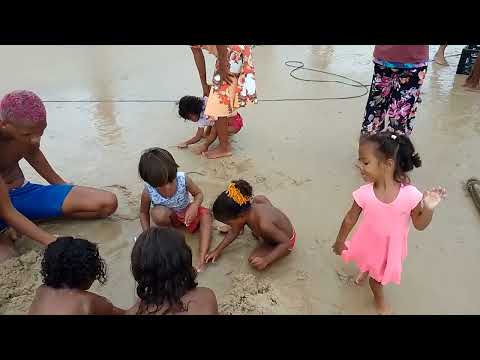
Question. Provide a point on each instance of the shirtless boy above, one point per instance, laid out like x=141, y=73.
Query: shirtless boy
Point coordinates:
x=23, y=120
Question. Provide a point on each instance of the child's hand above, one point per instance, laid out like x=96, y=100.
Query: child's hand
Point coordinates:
x=433, y=197
x=225, y=76
x=259, y=263
x=339, y=247
x=182, y=145
x=212, y=256
x=191, y=213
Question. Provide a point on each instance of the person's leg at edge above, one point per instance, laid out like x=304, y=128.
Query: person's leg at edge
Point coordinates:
x=439, y=57
x=473, y=80
x=205, y=239
x=224, y=148
x=89, y=203
x=377, y=102
x=203, y=146
x=379, y=298
x=408, y=94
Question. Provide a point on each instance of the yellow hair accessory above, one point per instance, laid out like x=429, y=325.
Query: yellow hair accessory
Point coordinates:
x=235, y=194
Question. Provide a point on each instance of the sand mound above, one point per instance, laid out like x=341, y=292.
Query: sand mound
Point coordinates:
x=19, y=279
x=250, y=296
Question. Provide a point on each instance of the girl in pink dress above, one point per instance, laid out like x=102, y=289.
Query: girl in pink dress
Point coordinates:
x=387, y=202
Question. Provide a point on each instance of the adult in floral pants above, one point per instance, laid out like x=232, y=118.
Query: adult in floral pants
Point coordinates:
x=399, y=72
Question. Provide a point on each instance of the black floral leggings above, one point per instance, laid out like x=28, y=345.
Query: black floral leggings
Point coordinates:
x=394, y=94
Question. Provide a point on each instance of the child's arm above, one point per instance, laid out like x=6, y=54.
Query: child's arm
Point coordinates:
x=145, y=210
x=202, y=71
x=198, y=136
x=227, y=240
x=19, y=222
x=423, y=212
x=197, y=194
x=270, y=231
x=347, y=225
x=41, y=165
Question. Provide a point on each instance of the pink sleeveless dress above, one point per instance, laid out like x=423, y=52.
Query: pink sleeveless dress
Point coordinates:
x=379, y=246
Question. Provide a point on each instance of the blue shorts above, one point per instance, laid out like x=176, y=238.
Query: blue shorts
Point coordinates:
x=39, y=202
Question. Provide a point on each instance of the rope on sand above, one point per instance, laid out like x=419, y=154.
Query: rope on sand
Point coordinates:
x=470, y=187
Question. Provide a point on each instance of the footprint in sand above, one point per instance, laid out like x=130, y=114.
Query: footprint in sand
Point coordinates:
x=128, y=203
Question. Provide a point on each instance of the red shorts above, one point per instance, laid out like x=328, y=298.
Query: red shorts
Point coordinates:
x=179, y=219
x=236, y=122
x=293, y=239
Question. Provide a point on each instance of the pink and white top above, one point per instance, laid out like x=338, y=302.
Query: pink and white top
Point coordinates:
x=379, y=246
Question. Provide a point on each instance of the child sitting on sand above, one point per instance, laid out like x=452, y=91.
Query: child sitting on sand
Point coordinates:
x=388, y=202
x=237, y=207
x=69, y=268
x=162, y=268
x=192, y=108
x=168, y=190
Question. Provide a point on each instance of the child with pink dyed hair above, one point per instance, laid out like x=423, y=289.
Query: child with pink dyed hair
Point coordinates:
x=23, y=120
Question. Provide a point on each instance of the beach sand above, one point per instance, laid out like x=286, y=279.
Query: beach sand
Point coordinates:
x=299, y=154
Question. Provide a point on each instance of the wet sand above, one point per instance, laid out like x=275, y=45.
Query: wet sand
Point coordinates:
x=300, y=154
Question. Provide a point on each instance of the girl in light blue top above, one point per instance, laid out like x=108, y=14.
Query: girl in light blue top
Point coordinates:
x=167, y=193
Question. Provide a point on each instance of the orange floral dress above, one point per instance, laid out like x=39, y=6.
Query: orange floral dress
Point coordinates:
x=224, y=100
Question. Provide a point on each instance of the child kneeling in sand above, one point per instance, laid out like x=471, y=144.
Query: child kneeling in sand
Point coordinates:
x=237, y=207
x=162, y=268
x=69, y=268
x=192, y=108
x=168, y=191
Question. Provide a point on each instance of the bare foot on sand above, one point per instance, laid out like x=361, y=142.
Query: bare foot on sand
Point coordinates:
x=7, y=249
x=361, y=277
x=382, y=307
x=218, y=152
x=440, y=59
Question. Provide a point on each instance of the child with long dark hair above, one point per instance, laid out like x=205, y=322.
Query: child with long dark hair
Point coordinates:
x=166, y=285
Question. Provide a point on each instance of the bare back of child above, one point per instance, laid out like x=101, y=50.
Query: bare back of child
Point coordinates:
x=266, y=220
x=201, y=301
x=237, y=208
x=69, y=268
x=50, y=301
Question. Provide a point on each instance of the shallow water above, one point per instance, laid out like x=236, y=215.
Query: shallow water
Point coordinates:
x=300, y=154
